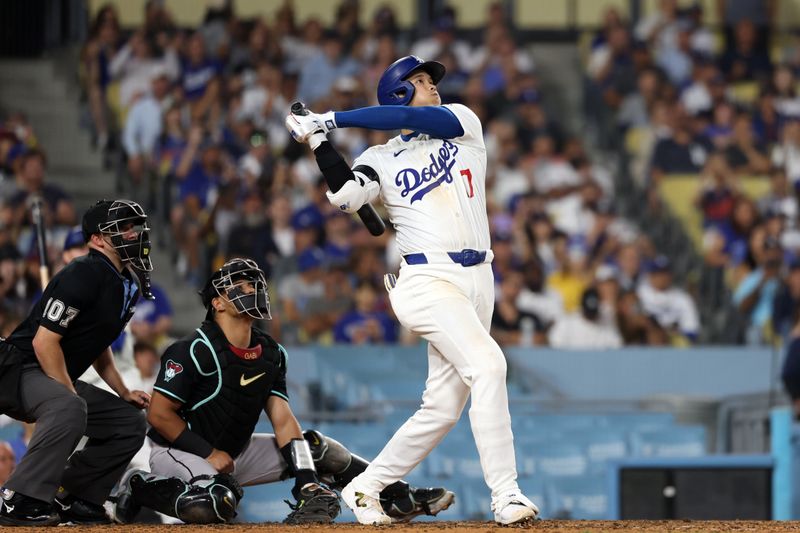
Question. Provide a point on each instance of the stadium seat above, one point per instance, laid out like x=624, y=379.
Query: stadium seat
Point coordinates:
x=675, y=441
x=584, y=498
x=264, y=503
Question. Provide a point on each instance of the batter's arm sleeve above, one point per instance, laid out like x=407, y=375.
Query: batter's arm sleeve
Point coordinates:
x=436, y=121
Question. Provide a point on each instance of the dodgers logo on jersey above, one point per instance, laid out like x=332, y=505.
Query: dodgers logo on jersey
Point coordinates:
x=173, y=369
x=439, y=171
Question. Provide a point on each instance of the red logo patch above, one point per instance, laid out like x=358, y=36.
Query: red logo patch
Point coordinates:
x=173, y=369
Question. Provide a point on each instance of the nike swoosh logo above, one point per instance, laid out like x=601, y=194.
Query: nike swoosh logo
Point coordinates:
x=245, y=382
x=10, y=508
x=400, y=152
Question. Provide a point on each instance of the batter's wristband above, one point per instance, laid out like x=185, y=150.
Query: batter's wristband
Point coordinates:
x=191, y=442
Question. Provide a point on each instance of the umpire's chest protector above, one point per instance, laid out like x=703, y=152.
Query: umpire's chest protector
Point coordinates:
x=232, y=389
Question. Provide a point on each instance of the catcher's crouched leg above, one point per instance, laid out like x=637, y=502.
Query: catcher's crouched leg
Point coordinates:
x=205, y=500
x=336, y=466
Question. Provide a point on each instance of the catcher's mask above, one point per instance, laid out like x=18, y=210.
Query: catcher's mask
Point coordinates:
x=229, y=282
x=116, y=219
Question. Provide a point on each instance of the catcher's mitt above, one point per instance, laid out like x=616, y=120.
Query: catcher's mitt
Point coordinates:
x=316, y=504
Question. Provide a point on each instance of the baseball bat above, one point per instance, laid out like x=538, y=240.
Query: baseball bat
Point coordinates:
x=369, y=217
x=38, y=221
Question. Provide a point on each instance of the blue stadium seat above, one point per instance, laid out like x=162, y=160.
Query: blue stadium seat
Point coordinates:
x=554, y=459
x=584, y=498
x=599, y=445
x=474, y=500
x=675, y=441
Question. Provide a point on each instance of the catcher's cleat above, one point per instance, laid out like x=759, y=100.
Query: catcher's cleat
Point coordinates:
x=420, y=501
x=367, y=509
x=316, y=505
x=514, y=508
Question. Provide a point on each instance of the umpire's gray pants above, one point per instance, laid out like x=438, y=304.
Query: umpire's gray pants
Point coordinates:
x=260, y=462
x=115, y=430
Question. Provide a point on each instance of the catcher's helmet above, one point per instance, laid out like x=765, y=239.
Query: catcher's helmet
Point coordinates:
x=393, y=87
x=113, y=219
x=227, y=283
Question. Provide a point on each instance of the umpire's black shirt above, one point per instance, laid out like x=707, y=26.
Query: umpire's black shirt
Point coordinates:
x=88, y=303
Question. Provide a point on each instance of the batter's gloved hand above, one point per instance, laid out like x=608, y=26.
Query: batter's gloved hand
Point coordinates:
x=308, y=127
x=315, y=505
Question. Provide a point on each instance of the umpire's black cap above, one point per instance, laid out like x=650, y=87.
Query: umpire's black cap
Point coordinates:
x=93, y=217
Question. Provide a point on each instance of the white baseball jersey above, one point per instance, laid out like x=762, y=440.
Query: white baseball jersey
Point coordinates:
x=433, y=189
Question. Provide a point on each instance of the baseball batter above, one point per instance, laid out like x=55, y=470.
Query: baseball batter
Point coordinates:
x=431, y=179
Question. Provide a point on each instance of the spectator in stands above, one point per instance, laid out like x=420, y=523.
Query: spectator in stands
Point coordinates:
x=511, y=326
x=745, y=61
x=198, y=179
x=200, y=82
x=536, y=297
x=104, y=41
x=368, y=322
x=760, y=14
x=703, y=93
x=146, y=360
x=296, y=290
x=611, y=67
x=324, y=312
x=605, y=281
x=137, y=63
x=781, y=197
x=670, y=306
x=143, y=128
x=7, y=461
x=152, y=320
x=570, y=278
x=264, y=104
x=318, y=75
x=74, y=245
x=784, y=92
x=682, y=152
x=717, y=195
x=767, y=124
x=726, y=244
x=746, y=155
x=787, y=153
x=251, y=235
x=635, y=326
x=636, y=107
x=675, y=58
x=59, y=209
x=629, y=262
x=444, y=38
x=584, y=329
x=755, y=294
x=787, y=303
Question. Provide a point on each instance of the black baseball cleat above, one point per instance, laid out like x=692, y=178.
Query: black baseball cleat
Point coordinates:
x=73, y=510
x=20, y=510
x=420, y=501
x=315, y=505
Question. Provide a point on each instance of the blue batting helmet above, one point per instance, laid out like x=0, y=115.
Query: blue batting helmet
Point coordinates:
x=393, y=87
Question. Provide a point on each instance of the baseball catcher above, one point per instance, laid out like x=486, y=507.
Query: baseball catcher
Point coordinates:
x=210, y=391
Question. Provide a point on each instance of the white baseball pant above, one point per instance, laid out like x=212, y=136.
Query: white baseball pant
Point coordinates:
x=451, y=307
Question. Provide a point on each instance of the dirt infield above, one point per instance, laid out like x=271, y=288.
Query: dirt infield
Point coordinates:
x=549, y=526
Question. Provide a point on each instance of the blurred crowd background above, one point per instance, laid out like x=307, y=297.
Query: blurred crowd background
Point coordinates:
x=668, y=217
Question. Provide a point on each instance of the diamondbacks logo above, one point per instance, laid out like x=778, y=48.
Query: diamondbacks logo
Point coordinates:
x=439, y=171
x=173, y=369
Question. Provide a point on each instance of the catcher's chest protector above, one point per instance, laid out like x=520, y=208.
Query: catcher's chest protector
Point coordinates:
x=232, y=391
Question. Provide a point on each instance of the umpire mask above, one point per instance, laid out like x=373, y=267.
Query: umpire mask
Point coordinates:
x=125, y=216
x=229, y=282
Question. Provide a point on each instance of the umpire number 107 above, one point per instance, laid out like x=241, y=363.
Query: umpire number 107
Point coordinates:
x=55, y=308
